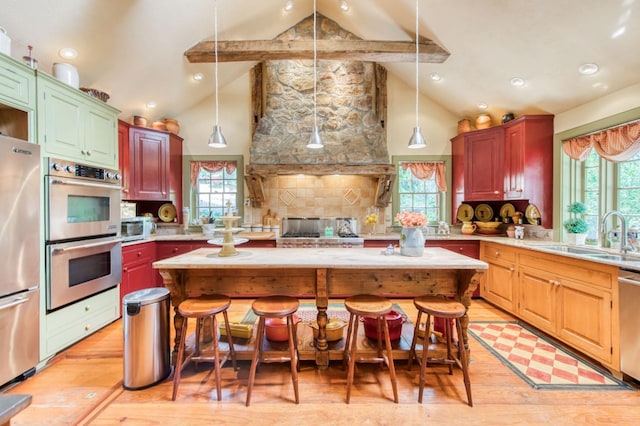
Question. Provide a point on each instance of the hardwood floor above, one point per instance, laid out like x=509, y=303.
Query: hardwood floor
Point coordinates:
x=83, y=385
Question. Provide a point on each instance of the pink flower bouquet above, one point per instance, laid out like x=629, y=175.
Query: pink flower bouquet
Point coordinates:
x=408, y=219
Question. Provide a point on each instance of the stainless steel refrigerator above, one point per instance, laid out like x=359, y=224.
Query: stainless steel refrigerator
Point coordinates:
x=20, y=183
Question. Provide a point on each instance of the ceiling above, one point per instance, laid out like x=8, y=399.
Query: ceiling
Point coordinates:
x=134, y=49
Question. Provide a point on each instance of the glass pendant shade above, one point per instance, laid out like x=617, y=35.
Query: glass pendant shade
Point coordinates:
x=315, y=141
x=217, y=140
x=417, y=140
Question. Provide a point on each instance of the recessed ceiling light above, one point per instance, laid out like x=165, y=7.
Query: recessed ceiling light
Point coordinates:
x=588, y=69
x=198, y=76
x=68, y=53
x=344, y=5
x=435, y=76
x=482, y=105
x=517, y=82
x=152, y=104
x=288, y=6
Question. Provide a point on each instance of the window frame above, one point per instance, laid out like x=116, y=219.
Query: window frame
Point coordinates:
x=445, y=197
x=569, y=174
x=189, y=195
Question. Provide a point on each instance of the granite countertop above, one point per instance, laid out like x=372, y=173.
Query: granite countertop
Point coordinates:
x=433, y=258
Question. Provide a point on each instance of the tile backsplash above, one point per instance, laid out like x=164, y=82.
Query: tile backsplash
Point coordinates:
x=318, y=196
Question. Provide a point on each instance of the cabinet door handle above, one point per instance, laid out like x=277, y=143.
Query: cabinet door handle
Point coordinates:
x=88, y=152
x=496, y=192
x=511, y=269
x=125, y=269
x=497, y=253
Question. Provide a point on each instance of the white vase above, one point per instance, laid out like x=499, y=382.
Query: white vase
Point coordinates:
x=411, y=241
x=67, y=74
x=577, y=239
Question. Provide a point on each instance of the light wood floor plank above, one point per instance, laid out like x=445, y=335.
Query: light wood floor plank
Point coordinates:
x=84, y=386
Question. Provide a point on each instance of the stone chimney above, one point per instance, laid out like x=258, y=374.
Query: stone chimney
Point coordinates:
x=351, y=107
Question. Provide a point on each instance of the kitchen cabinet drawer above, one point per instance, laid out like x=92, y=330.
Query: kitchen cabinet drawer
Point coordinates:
x=75, y=322
x=498, y=253
x=580, y=270
x=467, y=248
x=166, y=249
x=138, y=253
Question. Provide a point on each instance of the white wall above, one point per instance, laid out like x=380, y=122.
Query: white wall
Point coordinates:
x=606, y=106
x=438, y=125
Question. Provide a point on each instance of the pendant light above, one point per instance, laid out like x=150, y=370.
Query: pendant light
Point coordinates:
x=216, y=140
x=417, y=140
x=315, y=141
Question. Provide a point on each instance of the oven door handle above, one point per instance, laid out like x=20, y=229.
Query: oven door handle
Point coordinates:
x=56, y=251
x=17, y=301
x=59, y=181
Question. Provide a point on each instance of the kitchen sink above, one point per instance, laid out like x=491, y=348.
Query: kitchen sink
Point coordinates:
x=593, y=253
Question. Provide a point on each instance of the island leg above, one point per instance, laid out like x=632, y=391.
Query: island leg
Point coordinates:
x=468, y=281
x=322, y=303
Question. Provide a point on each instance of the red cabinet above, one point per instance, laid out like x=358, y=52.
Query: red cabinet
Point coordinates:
x=137, y=273
x=149, y=164
x=484, y=173
x=175, y=173
x=509, y=162
x=124, y=157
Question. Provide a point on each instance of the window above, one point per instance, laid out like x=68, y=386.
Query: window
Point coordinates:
x=215, y=190
x=421, y=195
x=213, y=183
x=628, y=190
x=598, y=174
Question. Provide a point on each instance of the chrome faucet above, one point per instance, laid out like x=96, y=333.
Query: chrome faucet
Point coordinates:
x=624, y=241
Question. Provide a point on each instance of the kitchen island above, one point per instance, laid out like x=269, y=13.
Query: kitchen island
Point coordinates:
x=323, y=273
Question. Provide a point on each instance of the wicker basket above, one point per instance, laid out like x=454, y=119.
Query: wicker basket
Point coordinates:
x=95, y=93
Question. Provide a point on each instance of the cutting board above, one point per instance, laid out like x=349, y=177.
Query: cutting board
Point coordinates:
x=257, y=235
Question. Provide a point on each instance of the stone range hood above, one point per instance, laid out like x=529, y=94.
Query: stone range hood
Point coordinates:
x=351, y=114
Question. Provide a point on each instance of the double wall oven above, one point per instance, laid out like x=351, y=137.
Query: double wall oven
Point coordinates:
x=82, y=227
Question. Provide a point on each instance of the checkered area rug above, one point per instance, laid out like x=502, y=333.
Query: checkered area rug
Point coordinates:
x=539, y=362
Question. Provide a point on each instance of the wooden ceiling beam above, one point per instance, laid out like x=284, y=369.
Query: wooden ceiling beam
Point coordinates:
x=344, y=50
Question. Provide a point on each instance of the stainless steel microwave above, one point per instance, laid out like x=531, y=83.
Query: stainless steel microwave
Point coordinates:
x=135, y=228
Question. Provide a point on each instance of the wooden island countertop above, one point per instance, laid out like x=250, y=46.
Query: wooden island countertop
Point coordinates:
x=322, y=273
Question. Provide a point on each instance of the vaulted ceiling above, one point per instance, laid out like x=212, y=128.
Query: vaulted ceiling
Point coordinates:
x=134, y=49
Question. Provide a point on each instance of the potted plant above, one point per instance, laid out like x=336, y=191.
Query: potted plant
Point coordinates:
x=576, y=226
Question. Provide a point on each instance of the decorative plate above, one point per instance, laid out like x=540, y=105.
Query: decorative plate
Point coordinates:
x=465, y=213
x=532, y=214
x=220, y=241
x=507, y=210
x=484, y=212
x=167, y=212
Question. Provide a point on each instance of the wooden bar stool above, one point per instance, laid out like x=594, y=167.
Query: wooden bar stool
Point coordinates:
x=274, y=307
x=200, y=308
x=440, y=307
x=370, y=306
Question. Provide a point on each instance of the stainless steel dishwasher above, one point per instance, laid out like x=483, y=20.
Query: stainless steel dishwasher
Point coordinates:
x=630, y=322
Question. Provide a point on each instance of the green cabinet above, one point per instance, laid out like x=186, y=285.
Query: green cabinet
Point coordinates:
x=17, y=99
x=74, y=126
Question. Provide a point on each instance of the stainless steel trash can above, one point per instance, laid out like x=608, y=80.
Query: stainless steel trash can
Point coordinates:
x=146, y=337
